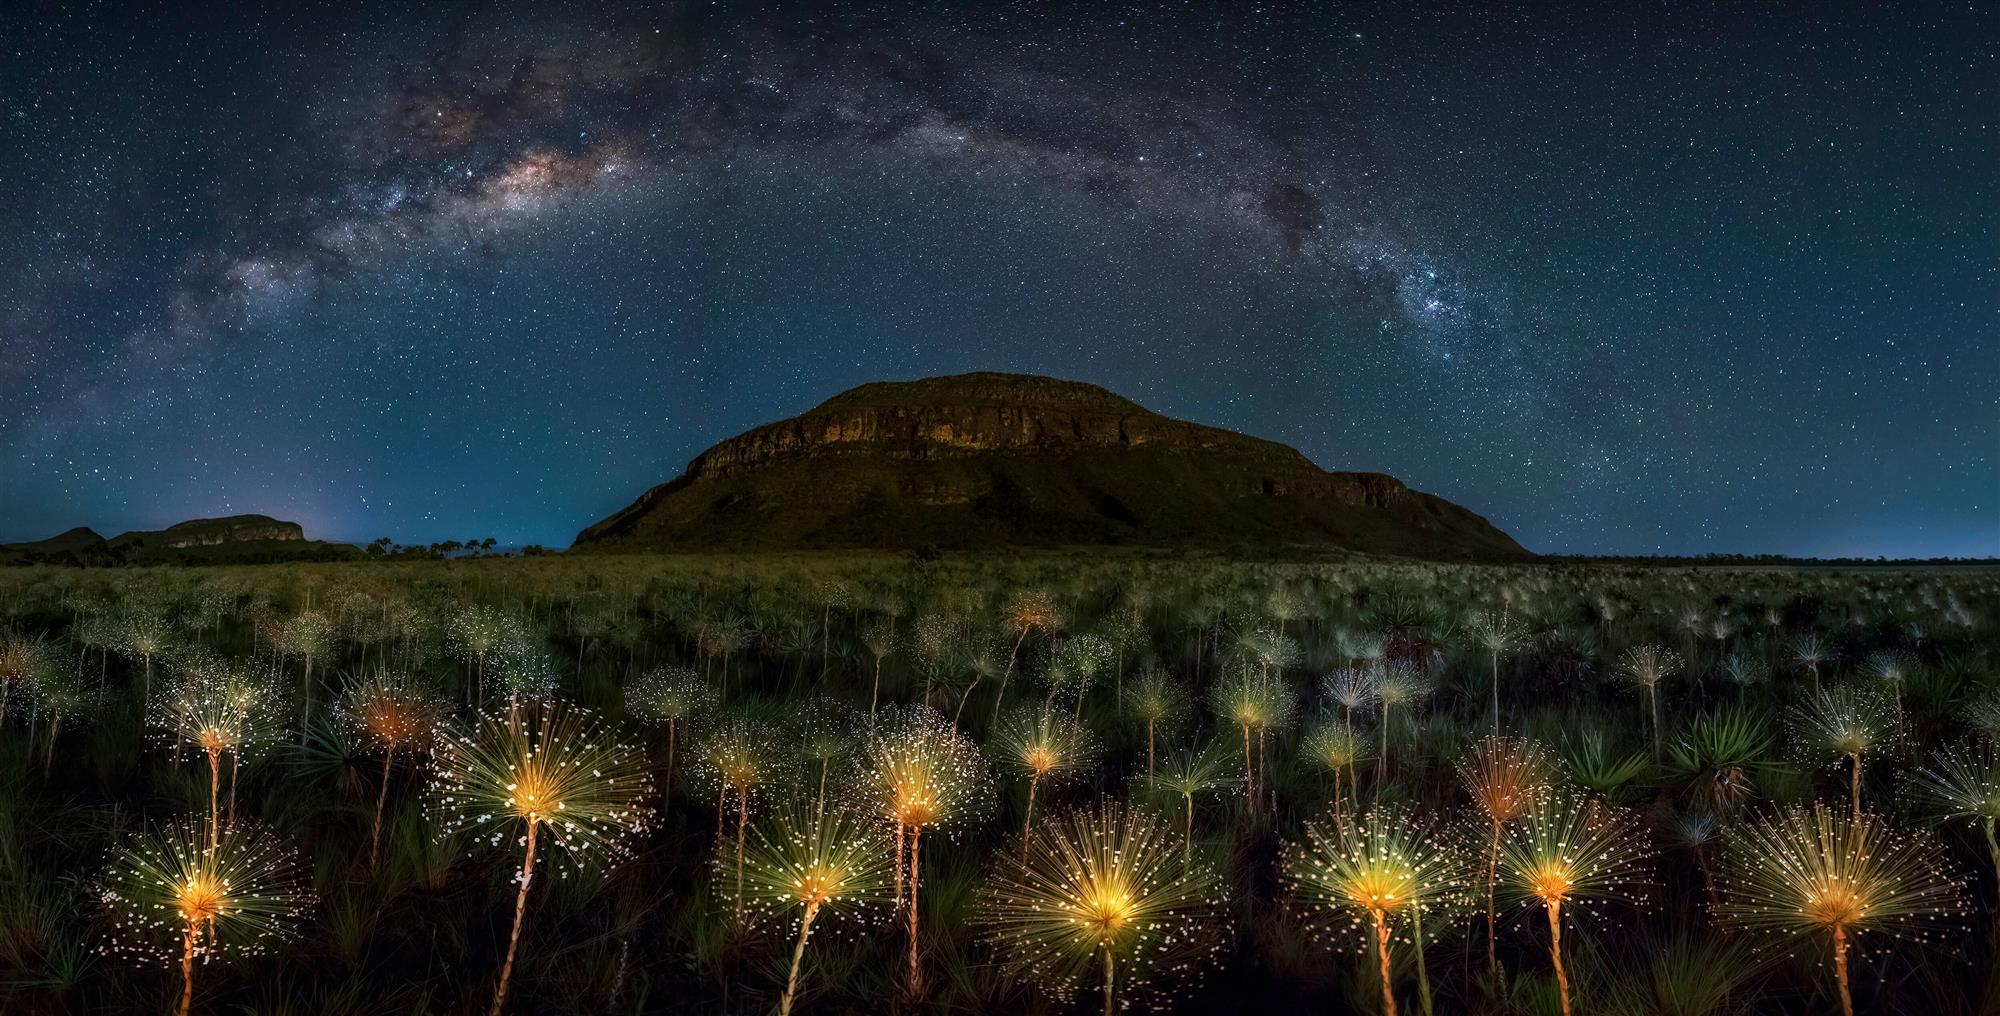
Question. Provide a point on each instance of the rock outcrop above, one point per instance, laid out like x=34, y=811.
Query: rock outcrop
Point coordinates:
x=242, y=539
x=978, y=460
x=214, y=532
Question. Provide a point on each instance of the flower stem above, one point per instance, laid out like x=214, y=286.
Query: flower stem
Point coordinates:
x=1382, y=955
x=520, y=908
x=1109, y=980
x=1840, y=969
x=187, y=970
x=916, y=975
x=798, y=953
x=381, y=798
x=1554, y=908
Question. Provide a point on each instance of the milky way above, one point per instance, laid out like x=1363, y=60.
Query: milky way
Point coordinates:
x=1694, y=282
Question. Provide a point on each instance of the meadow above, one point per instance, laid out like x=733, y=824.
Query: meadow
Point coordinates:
x=998, y=783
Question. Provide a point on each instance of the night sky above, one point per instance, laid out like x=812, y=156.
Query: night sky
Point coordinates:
x=1632, y=279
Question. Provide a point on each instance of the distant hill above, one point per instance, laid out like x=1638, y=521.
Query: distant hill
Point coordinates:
x=989, y=460
x=214, y=532
x=237, y=539
x=80, y=539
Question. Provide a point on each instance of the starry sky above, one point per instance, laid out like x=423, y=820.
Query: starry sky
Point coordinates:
x=1629, y=278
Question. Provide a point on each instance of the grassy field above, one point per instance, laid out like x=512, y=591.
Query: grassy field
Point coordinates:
x=1024, y=783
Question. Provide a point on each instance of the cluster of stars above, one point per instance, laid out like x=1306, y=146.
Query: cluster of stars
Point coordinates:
x=333, y=268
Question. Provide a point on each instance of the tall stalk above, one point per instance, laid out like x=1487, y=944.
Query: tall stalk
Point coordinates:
x=1382, y=957
x=875, y=695
x=1854, y=787
x=1110, y=979
x=381, y=799
x=1492, y=881
x=1423, y=970
x=1554, y=908
x=1249, y=770
x=214, y=794
x=667, y=788
x=1840, y=969
x=520, y=909
x=1006, y=674
x=798, y=954
x=916, y=982
x=187, y=968
x=742, y=824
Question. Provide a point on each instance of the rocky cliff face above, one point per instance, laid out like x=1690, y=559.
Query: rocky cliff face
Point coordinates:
x=970, y=414
x=995, y=459
x=214, y=532
x=983, y=414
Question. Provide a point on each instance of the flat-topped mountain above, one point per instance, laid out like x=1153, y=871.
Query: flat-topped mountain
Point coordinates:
x=211, y=532
x=234, y=539
x=987, y=459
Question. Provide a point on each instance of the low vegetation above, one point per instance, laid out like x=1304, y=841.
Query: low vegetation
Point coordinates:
x=1028, y=783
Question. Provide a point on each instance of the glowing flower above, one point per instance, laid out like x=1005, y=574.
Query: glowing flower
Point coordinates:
x=1382, y=867
x=1843, y=724
x=918, y=772
x=1505, y=777
x=1045, y=747
x=1567, y=854
x=547, y=771
x=395, y=712
x=174, y=895
x=806, y=859
x=1801, y=873
x=1109, y=886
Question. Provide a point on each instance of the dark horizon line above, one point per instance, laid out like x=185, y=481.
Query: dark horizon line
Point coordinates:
x=1563, y=557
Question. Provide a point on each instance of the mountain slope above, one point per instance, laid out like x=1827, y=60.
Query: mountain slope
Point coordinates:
x=981, y=460
x=76, y=540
